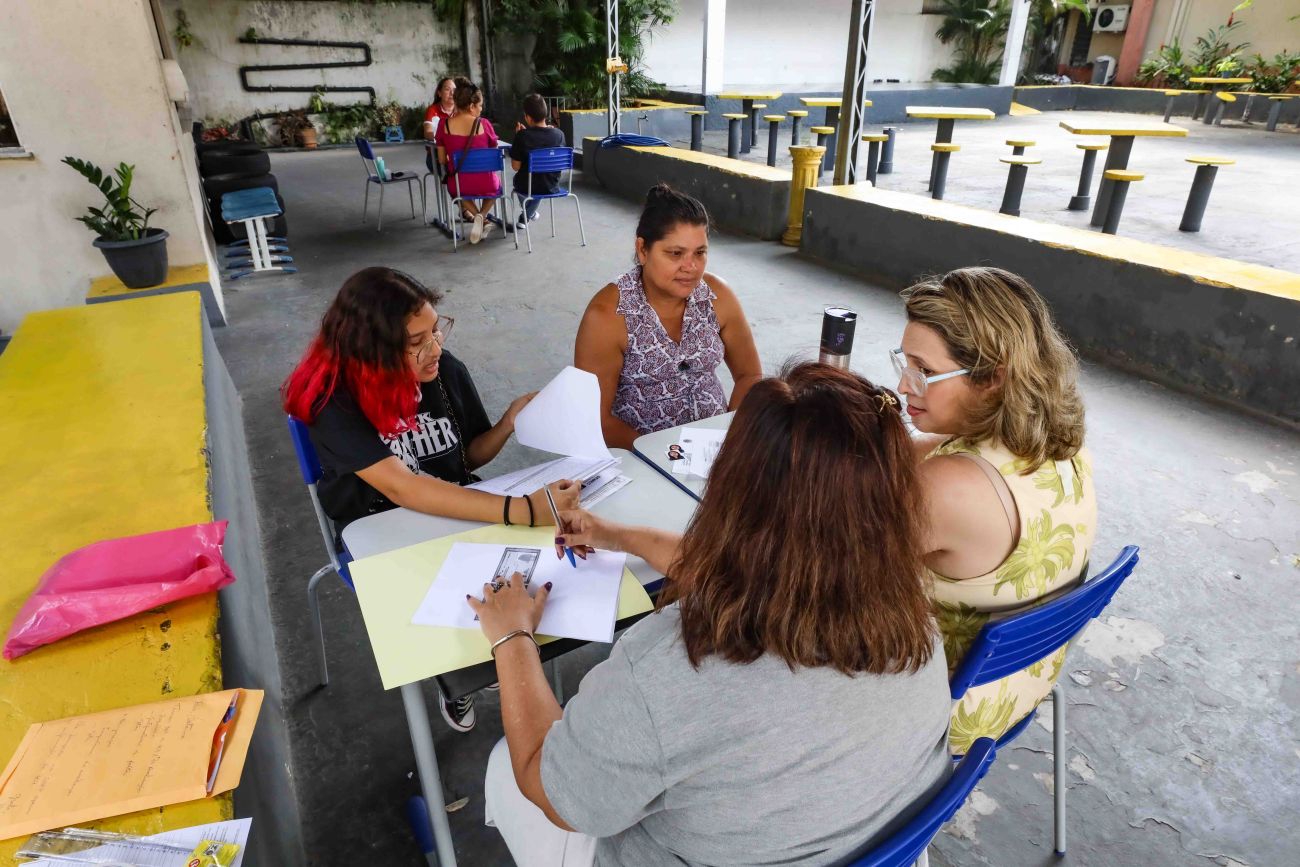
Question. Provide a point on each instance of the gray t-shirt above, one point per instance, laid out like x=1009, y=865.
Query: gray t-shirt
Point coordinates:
x=741, y=764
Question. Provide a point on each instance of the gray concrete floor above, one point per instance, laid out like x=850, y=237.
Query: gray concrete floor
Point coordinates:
x=1182, y=698
x=1251, y=214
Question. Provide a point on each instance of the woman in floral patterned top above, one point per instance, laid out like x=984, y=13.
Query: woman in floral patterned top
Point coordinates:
x=655, y=337
x=990, y=384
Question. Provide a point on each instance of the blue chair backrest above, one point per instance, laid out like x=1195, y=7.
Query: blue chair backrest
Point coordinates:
x=308, y=461
x=429, y=151
x=478, y=160
x=367, y=152
x=550, y=160
x=906, y=845
x=1007, y=646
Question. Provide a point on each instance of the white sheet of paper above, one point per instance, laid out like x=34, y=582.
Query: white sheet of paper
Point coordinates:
x=608, y=483
x=699, y=449
x=564, y=418
x=234, y=831
x=583, y=602
x=529, y=479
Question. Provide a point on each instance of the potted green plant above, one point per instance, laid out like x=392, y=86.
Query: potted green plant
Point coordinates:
x=136, y=253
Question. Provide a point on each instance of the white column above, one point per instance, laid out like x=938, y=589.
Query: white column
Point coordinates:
x=1015, y=45
x=715, y=28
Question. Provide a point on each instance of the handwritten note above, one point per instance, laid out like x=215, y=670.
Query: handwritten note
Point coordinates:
x=103, y=764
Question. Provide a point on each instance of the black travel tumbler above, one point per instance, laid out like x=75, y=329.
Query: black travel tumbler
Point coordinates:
x=838, y=324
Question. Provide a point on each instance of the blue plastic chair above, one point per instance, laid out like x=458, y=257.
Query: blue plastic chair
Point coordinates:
x=1006, y=646
x=372, y=177
x=908, y=845
x=309, y=464
x=551, y=160
x=479, y=161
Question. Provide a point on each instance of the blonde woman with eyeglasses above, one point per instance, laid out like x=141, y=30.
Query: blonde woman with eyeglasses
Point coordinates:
x=990, y=384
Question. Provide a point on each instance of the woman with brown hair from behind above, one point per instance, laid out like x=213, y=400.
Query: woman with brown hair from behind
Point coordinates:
x=991, y=385
x=787, y=702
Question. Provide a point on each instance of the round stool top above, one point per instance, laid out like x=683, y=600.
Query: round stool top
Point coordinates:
x=1282, y=96
x=1211, y=161
x=1092, y=146
x=1172, y=92
x=773, y=118
x=735, y=116
x=822, y=130
x=1021, y=142
x=1019, y=161
x=945, y=147
x=1225, y=96
x=875, y=137
x=697, y=111
x=797, y=113
x=1122, y=175
x=759, y=105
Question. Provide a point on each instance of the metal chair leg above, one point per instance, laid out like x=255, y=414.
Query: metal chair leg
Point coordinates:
x=314, y=605
x=1058, y=766
x=410, y=194
x=581, y=230
x=365, y=208
x=381, y=209
x=551, y=206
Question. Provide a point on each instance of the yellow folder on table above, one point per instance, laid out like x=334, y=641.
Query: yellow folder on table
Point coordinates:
x=82, y=768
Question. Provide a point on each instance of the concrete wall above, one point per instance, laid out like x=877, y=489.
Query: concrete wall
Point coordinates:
x=739, y=196
x=85, y=79
x=1142, y=100
x=1222, y=329
x=410, y=48
x=771, y=43
x=248, y=653
x=1267, y=25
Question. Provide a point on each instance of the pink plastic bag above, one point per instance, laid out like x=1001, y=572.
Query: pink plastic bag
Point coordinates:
x=116, y=578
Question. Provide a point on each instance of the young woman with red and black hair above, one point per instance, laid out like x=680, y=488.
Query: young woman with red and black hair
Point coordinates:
x=395, y=417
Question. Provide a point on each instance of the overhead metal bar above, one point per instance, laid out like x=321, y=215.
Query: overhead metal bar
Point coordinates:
x=852, y=111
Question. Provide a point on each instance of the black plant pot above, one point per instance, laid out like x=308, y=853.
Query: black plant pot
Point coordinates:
x=139, y=264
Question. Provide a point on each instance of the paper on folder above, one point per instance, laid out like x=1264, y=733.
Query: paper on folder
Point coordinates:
x=88, y=767
x=564, y=417
x=129, y=852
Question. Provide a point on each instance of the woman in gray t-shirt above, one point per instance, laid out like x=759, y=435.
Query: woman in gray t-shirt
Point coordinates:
x=788, y=701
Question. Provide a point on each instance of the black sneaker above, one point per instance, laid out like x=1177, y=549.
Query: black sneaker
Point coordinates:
x=519, y=223
x=459, y=713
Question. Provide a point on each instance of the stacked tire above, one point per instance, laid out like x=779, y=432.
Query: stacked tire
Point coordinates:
x=227, y=166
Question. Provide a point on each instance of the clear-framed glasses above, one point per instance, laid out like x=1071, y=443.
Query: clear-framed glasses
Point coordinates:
x=440, y=333
x=914, y=381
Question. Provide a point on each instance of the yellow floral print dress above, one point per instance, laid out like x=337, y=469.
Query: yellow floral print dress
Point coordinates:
x=1058, y=520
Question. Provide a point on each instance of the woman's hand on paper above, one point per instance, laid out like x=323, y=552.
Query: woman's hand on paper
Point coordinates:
x=512, y=411
x=510, y=608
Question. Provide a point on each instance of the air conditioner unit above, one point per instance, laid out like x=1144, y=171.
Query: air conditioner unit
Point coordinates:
x=1110, y=18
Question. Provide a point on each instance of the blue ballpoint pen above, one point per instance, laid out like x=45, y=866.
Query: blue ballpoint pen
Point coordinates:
x=550, y=501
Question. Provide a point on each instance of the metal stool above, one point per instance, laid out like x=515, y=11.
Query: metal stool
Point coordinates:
x=1015, y=183
x=1121, y=179
x=886, y=166
x=1275, y=111
x=1082, y=200
x=943, y=152
x=1170, y=96
x=822, y=133
x=753, y=122
x=733, y=133
x=1018, y=146
x=1206, y=170
x=697, y=116
x=773, y=121
x=873, y=154
x=1223, y=99
x=796, y=116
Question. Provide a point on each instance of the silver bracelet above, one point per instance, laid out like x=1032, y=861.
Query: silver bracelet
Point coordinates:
x=509, y=635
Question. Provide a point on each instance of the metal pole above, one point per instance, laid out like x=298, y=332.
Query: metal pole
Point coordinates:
x=1121, y=146
x=1118, y=193
x=614, y=106
x=1083, y=198
x=733, y=137
x=697, y=132
x=1015, y=189
x=426, y=765
x=873, y=161
x=886, y=166
x=773, y=126
x=1274, y=112
x=854, y=93
x=1198, y=198
x=940, y=174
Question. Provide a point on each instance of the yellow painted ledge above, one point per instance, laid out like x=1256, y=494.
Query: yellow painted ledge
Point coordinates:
x=1018, y=110
x=1210, y=270
x=740, y=168
x=647, y=104
x=102, y=434
x=183, y=275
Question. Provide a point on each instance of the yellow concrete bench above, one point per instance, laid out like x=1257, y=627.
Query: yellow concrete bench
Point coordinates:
x=694, y=111
x=945, y=148
x=875, y=137
x=796, y=112
x=1122, y=175
x=182, y=278
x=1020, y=161
x=102, y=434
x=1210, y=161
x=773, y=118
x=1021, y=142
x=734, y=115
x=822, y=130
x=1092, y=146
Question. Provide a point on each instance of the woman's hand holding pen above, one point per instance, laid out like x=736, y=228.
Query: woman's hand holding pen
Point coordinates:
x=584, y=532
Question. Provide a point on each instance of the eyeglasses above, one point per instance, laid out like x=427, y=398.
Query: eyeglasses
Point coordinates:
x=440, y=332
x=912, y=379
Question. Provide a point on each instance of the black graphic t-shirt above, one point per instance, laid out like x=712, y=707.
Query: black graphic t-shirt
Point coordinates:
x=347, y=442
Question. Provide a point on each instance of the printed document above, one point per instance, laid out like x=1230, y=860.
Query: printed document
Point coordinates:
x=564, y=417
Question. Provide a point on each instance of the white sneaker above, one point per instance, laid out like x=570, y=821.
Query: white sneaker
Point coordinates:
x=476, y=230
x=458, y=713
x=488, y=227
